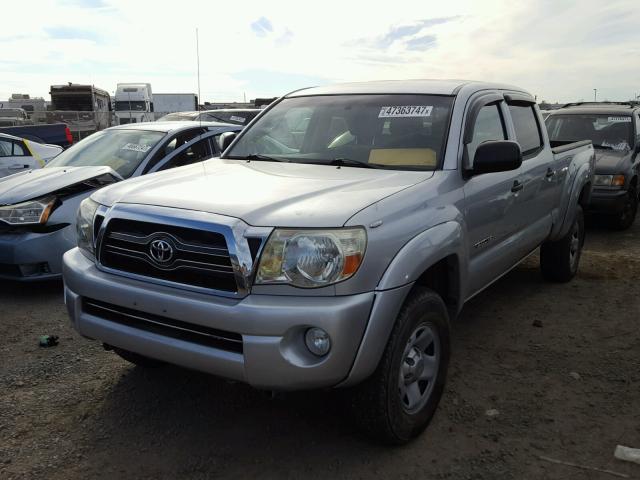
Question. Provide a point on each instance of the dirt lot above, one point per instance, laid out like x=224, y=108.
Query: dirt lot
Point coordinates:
x=569, y=389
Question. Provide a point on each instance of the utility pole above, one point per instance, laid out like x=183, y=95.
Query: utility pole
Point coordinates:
x=595, y=94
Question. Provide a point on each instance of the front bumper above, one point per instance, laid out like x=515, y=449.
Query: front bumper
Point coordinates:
x=273, y=354
x=607, y=201
x=29, y=256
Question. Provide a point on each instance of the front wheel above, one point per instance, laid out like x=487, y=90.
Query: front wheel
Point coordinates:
x=397, y=402
x=627, y=216
x=559, y=260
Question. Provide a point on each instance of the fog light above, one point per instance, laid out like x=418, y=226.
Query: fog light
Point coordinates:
x=318, y=341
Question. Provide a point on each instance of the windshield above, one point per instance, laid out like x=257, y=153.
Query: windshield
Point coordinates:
x=122, y=150
x=384, y=131
x=137, y=106
x=604, y=130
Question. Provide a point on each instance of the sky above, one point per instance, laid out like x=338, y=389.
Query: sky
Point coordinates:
x=559, y=50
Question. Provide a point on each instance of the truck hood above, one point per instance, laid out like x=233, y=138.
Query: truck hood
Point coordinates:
x=32, y=184
x=612, y=161
x=265, y=193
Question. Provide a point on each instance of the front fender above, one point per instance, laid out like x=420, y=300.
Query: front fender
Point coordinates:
x=423, y=251
x=420, y=253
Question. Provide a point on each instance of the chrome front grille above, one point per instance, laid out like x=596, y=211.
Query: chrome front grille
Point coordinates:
x=170, y=253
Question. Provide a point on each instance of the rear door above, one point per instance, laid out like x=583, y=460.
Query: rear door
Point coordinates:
x=490, y=212
x=539, y=193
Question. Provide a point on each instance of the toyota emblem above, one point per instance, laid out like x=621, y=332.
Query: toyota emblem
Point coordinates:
x=161, y=251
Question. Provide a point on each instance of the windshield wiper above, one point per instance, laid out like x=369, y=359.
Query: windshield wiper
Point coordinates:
x=259, y=156
x=603, y=147
x=350, y=162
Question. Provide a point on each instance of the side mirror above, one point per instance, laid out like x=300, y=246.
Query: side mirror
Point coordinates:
x=496, y=156
x=226, y=139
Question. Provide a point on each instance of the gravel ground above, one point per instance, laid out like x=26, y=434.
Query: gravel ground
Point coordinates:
x=567, y=389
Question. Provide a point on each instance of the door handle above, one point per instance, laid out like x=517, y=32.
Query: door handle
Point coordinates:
x=550, y=173
x=18, y=167
x=517, y=186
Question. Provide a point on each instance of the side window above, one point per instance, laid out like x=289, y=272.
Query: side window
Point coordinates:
x=489, y=126
x=195, y=153
x=5, y=148
x=525, y=124
x=18, y=150
x=173, y=144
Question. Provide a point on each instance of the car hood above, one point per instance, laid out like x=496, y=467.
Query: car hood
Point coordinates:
x=32, y=184
x=265, y=193
x=612, y=161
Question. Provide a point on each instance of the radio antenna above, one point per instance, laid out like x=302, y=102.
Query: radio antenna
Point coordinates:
x=198, y=61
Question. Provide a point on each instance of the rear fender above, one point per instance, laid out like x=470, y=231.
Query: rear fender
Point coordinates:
x=581, y=179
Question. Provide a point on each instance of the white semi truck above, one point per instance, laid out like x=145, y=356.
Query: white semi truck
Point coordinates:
x=134, y=103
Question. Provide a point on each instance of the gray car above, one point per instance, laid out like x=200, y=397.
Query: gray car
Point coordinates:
x=333, y=242
x=614, y=130
x=38, y=207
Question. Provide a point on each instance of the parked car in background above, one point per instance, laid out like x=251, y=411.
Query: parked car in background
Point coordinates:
x=18, y=154
x=333, y=242
x=614, y=130
x=10, y=117
x=233, y=116
x=53, y=134
x=38, y=207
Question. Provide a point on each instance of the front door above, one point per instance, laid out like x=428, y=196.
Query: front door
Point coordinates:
x=490, y=208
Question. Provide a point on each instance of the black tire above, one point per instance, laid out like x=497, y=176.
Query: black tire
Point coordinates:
x=625, y=219
x=137, y=359
x=559, y=260
x=376, y=404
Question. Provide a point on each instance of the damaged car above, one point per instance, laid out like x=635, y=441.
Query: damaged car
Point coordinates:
x=38, y=207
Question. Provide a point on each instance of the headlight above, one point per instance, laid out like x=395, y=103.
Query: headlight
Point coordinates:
x=84, y=226
x=29, y=213
x=608, y=180
x=311, y=258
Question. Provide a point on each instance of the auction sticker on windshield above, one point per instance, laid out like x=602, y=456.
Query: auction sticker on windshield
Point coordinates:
x=620, y=119
x=136, y=148
x=237, y=119
x=405, y=111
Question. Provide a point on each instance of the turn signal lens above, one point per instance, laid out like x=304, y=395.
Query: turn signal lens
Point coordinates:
x=618, y=181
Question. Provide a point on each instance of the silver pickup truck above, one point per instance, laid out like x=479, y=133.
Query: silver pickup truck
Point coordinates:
x=333, y=242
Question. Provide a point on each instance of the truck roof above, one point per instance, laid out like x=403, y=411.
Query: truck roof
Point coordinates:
x=77, y=87
x=433, y=87
x=173, y=126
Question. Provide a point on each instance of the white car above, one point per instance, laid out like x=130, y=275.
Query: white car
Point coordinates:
x=18, y=154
